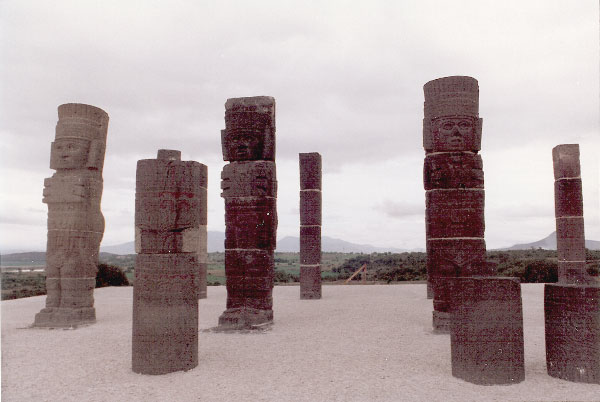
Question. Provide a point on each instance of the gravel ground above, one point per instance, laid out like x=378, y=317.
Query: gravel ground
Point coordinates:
x=358, y=343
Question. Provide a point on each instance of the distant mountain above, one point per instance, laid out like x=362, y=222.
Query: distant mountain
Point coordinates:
x=214, y=243
x=549, y=243
x=289, y=244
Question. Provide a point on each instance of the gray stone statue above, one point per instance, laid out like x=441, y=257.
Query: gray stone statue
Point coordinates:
x=75, y=222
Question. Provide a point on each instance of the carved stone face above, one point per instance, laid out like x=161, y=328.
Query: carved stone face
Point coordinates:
x=244, y=144
x=70, y=153
x=455, y=132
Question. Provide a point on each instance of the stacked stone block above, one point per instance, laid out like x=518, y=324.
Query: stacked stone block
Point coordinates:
x=487, y=330
x=482, y=313
x=75, y=221
x=453, y=181
x=170, y=223
x=571, y=306
x=249, y=187
x=310, y=225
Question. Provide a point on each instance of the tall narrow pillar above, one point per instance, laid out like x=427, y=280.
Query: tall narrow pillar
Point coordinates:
x=571, y=306
x=453, y=180
x=310, y=225
x=170, y=228
x=249, y=187
x=75, y=221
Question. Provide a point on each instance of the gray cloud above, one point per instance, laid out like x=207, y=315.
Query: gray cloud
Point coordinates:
x=347, y=79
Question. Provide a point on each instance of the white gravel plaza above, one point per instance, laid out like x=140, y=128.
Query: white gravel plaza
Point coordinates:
x=358, y=343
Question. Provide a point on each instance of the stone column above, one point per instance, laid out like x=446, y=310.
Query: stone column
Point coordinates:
x=571, y=306
x=75, y=221
x=310, y=225
x=486, y=337
x=170, y=225
x=249, y=187
x=568, y=207
x=453, y=179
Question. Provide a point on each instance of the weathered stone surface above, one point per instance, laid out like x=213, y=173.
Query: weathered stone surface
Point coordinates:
x=170, y=270
x=310, y=282
x=75, y=221
x=568, y=199
x=249, y=179
x=310, y=171
x=250, y=222
x=165, y=313
x=571, y=246
x=249, y=129
x=447, y=259
x=487, y=330
x=310, y=245
x=451, y=110
x=455, y=213
x=453, y=170
x=250, y=188
x=453, y=180
x=310, y=225
x=570, y=236
x=310, y=207
x=171, y=194
x=572, y=319
x=566, y=161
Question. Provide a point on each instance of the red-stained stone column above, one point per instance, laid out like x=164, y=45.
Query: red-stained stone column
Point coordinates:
x=482, y=313
x=170, y=223
x=486, y=337
x=571, y=306
x=453, y=180
x=310, y=225
x=75, y=221
x=249, y=187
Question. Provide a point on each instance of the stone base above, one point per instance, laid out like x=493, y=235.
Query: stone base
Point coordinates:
x=245, y=318
x=441, y=322
x=486, y=338
x=61, y=317
x=572, y=320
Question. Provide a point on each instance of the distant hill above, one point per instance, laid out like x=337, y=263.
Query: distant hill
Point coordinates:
x=289, y=244
x=549, y=243
x=214, y=243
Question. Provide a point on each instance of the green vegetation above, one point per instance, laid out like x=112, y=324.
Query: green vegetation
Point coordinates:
x=530, y=266
x=110, y=275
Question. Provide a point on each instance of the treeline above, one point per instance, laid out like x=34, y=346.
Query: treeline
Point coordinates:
x=16, y=285
x=530, y=266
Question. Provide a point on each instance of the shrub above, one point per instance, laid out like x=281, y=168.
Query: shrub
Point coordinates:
x=110, y=275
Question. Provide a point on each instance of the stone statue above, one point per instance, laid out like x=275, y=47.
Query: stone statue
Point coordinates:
x=482, y=312
x=170, y=225
x=453, y=180
x=571, y=306
x=249, y=187
x=310, y=225
x=75, y=221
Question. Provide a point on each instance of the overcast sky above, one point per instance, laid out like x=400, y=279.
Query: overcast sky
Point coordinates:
x=347, y=77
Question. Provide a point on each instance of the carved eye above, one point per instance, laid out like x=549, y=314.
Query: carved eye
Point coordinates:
x=464, y=124
x=448, y=125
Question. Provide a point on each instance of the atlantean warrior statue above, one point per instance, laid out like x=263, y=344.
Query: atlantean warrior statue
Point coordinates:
x=75, y=222
x=170, y=240
x=482, y=313
x=453, y=179
x=249, y=187
x=571, y=306
x=310, y=225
